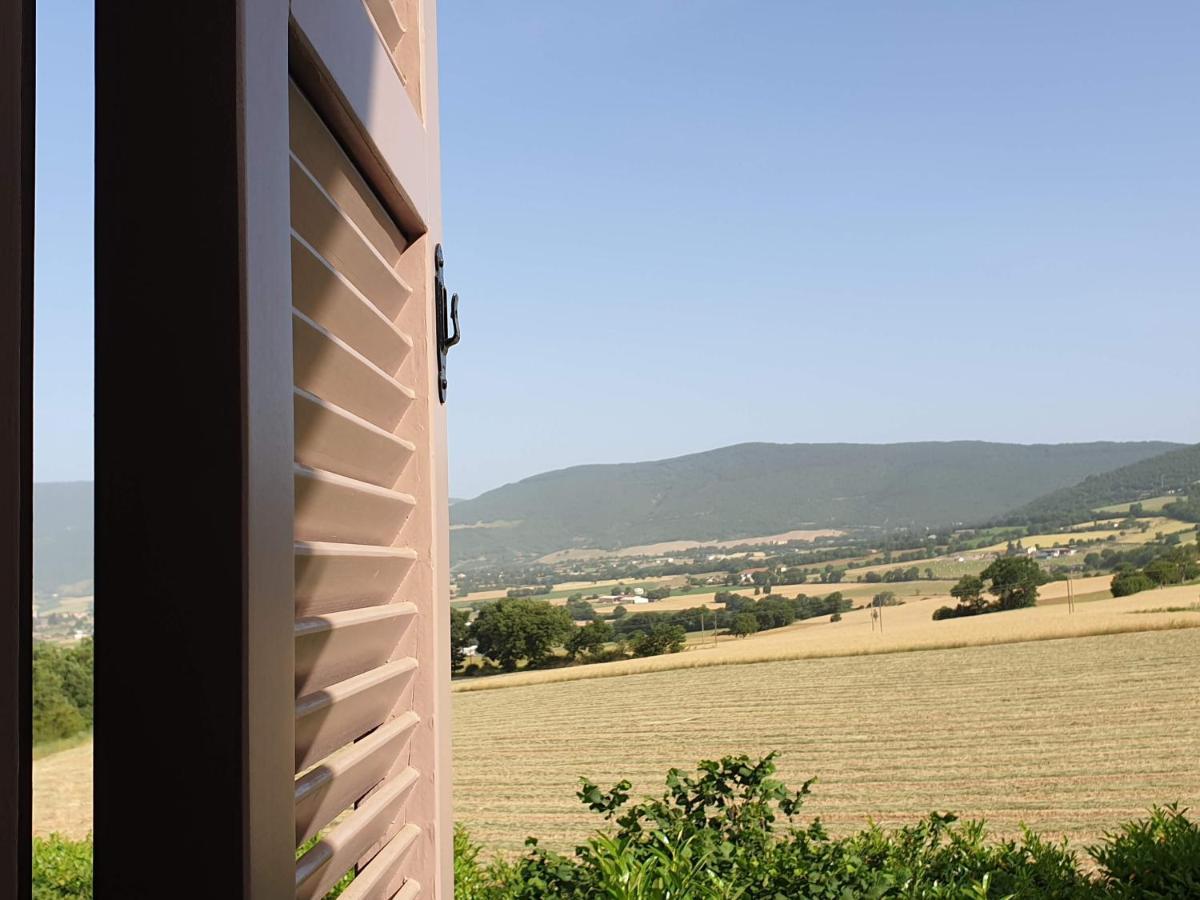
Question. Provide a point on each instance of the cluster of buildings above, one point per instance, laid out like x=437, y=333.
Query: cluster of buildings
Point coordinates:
x=61, y=626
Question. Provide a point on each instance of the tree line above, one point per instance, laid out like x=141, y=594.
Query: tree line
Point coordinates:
x=513, y=631
x=1176, y=565
x=62, y=690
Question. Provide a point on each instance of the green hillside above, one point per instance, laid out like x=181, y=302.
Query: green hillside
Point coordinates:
x=62, y=535
x=1175, y=470
x=757, y=489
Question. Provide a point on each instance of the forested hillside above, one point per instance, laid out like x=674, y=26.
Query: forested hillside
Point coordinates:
x=1174, y=471
x=758, y=489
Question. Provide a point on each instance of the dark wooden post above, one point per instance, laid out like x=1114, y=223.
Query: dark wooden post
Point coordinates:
x=16, y=440
x=194, y=710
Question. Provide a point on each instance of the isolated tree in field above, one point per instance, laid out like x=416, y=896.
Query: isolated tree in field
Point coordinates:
x=619, y=611
x=589, y=638
x=884, y=598
x=969, y=593
x=509, y=631
x=743, y=624
x=1014, y=582
x=460, y=635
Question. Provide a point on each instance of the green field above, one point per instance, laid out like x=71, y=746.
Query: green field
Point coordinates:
x=1152, y=505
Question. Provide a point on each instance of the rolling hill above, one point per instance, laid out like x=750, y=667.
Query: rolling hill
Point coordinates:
x=1175, y=470
x=757, y=489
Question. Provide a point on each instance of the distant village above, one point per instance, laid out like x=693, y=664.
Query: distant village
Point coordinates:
x=63, y=621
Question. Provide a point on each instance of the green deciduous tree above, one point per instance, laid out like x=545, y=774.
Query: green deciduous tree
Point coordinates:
x=1014, y=581
x=589, y=638
x=660, y=638
x=743, y=624
x=969, y=593
x=1130, y=581
x=62, y=690
x=1164, y=571
x=509, y=631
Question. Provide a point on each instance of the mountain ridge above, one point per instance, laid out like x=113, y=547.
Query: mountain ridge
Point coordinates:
x=758, y=488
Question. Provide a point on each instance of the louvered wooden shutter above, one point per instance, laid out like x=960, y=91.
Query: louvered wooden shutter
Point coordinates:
x=370, y=666
x=271, y=486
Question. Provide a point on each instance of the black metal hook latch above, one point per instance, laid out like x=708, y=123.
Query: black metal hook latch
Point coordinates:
x=445, y=340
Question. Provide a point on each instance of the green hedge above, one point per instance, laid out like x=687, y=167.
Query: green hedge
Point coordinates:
x=731, y=831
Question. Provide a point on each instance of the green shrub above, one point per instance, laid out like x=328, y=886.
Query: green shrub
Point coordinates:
x=731, y=831
x=62, y=868
x=1154, y=857
x=1131, y=582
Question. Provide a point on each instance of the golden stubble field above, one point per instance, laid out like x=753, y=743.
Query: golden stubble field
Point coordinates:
x=62, y=792
x=907, y=627
x=1070, y=736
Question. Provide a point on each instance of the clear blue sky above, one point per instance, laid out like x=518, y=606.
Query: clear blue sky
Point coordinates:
x=679, y=226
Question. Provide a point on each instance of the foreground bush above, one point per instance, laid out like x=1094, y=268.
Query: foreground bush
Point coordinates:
x=731, y=831
x=62, y=869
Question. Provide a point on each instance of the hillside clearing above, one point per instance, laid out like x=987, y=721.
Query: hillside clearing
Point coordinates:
x=1069, y=736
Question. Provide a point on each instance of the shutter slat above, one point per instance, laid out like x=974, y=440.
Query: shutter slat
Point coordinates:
x=321, y=867
x=329, y=438
x=343, y=712
x=341, y=780
x=334, y=371
x=330, y=300
x=375, y=880
x=320, y=154
x=410, y=890
x=361, y=344
x=391, y=29
x=317, y=219
x=336, y=508
x=332, y=577
x=341, y=645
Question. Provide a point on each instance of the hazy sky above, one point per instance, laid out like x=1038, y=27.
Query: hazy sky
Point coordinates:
x=677, y=226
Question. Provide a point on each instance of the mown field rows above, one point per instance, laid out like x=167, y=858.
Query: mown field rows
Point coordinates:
x=1070, y=736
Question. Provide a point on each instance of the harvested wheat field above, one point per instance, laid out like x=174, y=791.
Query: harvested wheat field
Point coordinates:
x=62, y=792
x=1070, y=736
